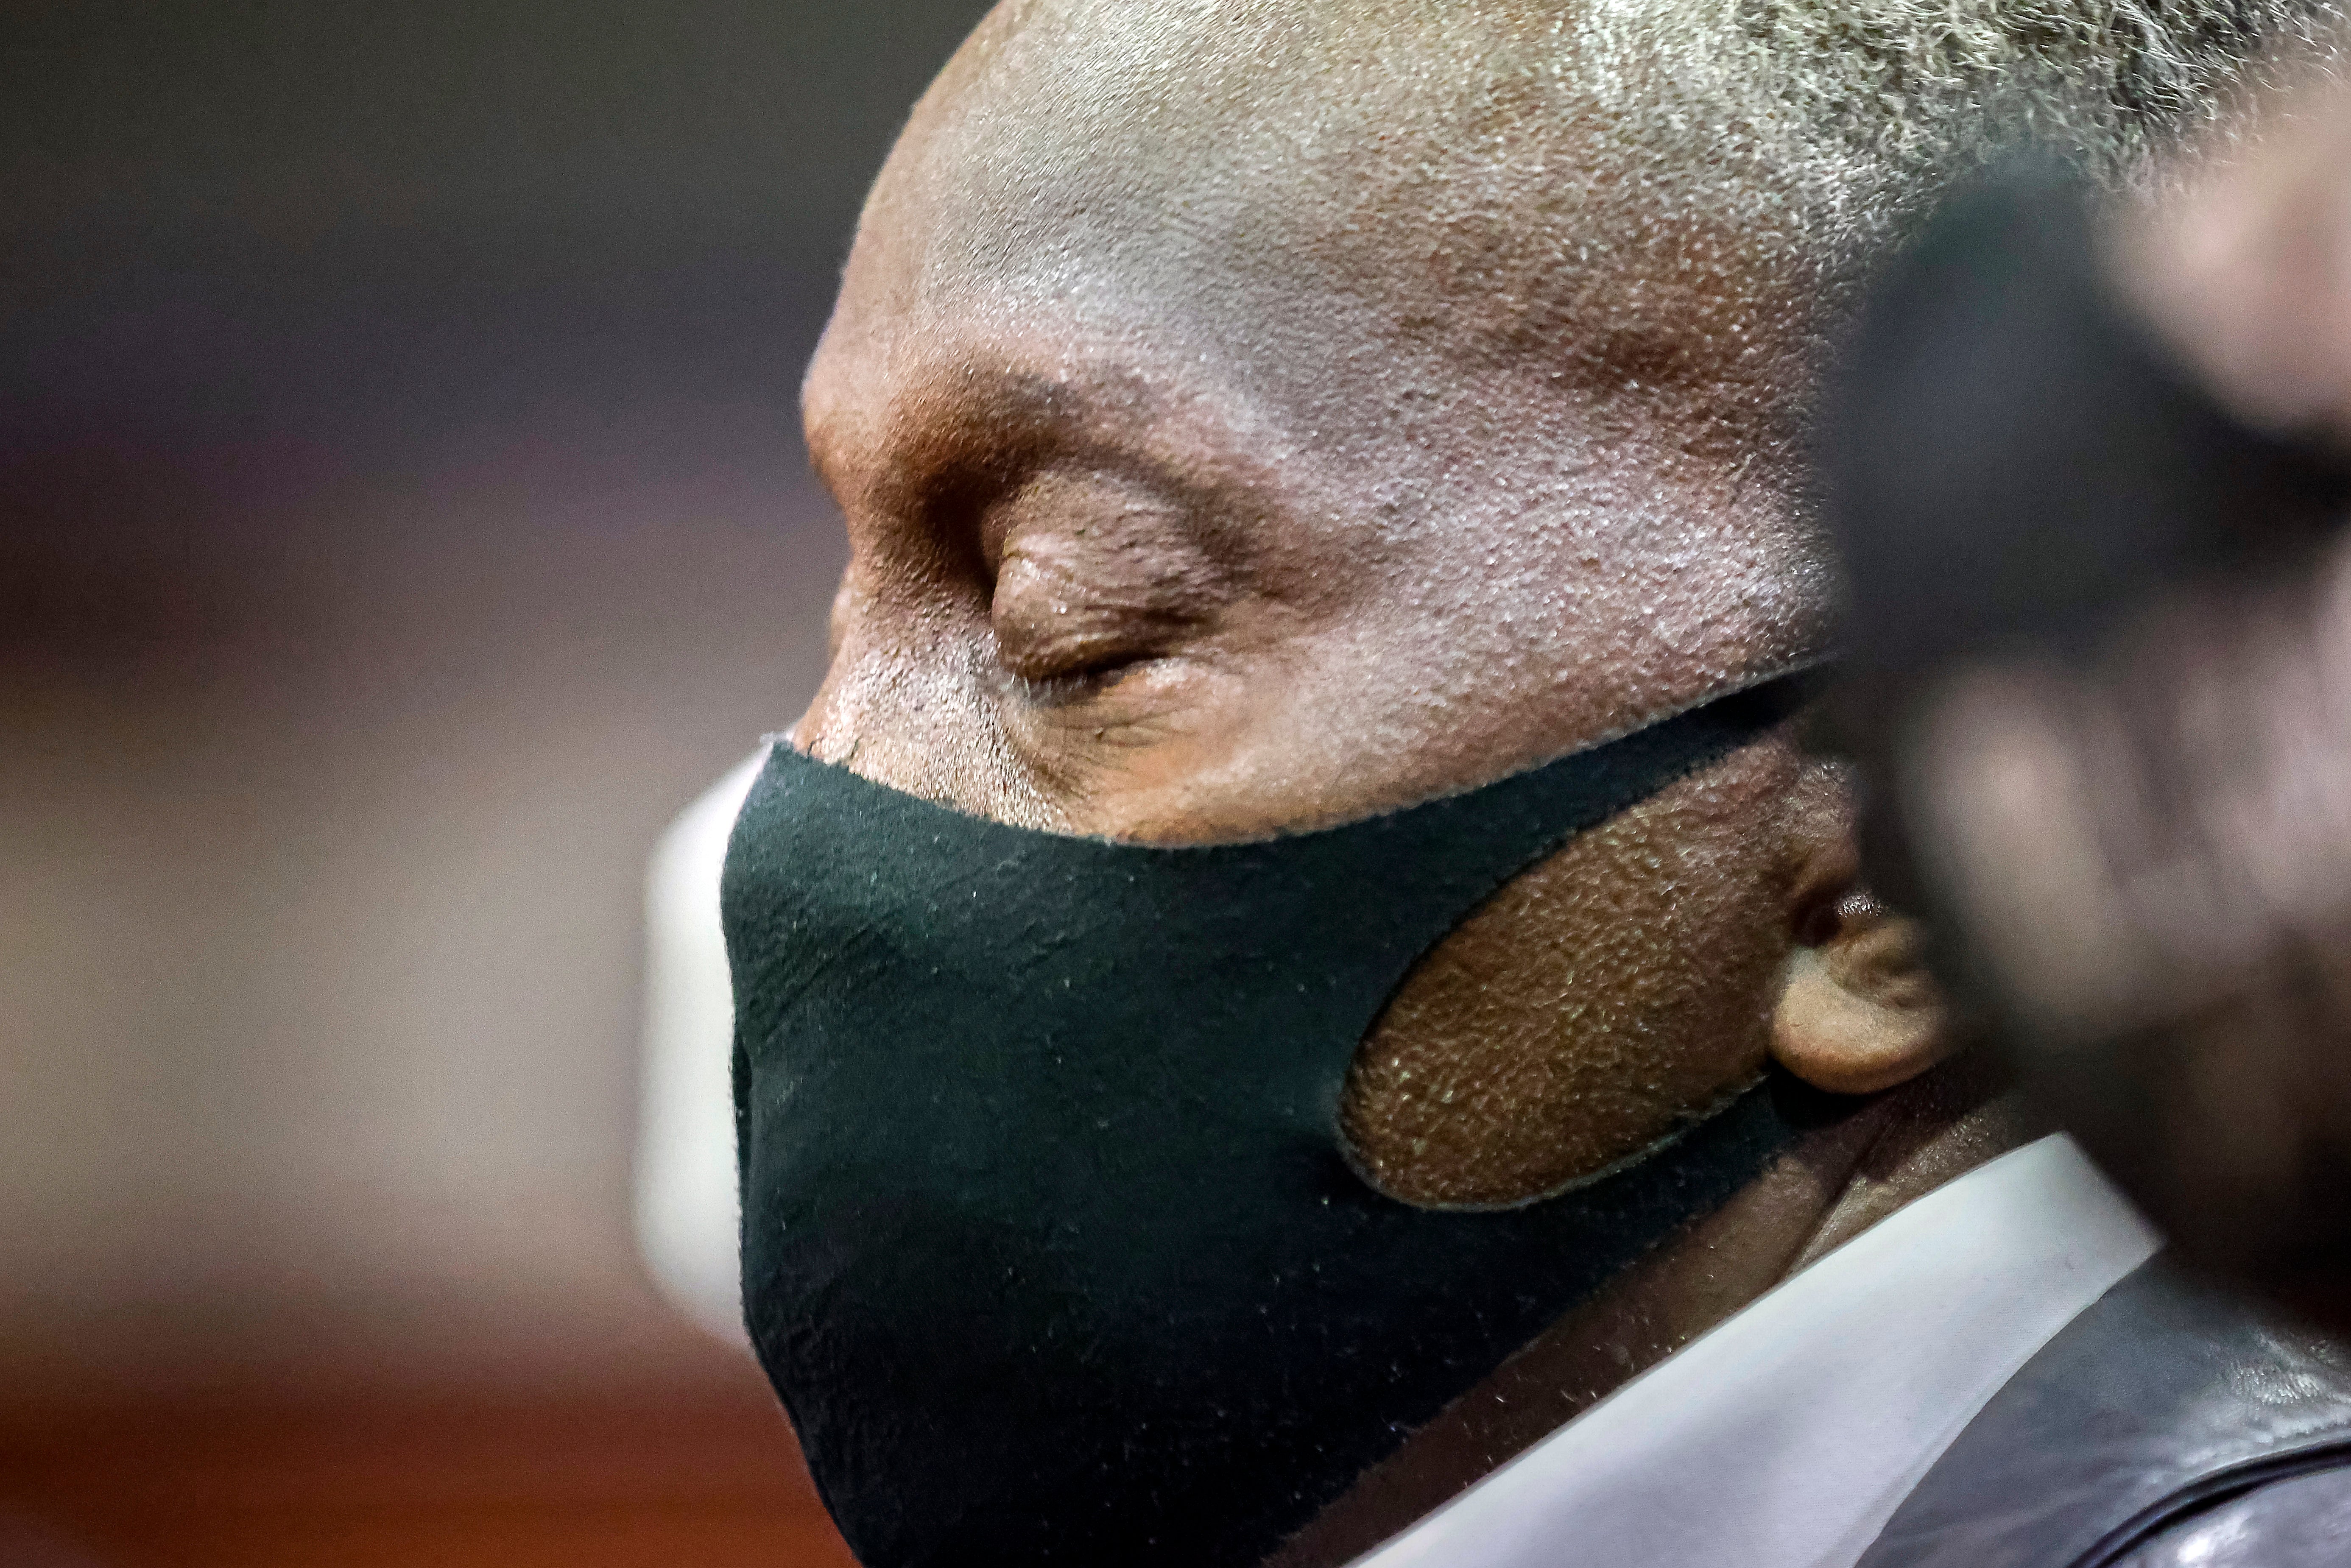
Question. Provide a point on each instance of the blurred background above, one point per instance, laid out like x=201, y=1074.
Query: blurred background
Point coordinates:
x=403, y=514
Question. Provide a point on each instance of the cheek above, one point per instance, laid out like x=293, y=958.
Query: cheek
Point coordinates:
x=1590, y=1008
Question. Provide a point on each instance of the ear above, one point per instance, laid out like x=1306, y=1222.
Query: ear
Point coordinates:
x=1857, y=1011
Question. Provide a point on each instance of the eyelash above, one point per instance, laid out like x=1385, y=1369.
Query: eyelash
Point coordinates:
x=1053, y=634
x=1075, y=685
x=1087, y=671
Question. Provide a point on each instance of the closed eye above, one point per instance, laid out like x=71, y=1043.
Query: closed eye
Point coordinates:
x=1092, y=578
x=1051, y=627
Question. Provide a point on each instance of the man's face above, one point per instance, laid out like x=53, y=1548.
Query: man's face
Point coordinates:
x=1245, y=422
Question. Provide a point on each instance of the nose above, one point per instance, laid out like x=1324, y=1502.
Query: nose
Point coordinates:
x=909, y=704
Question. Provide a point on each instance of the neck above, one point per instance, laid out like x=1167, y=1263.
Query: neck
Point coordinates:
x=1834, y=1184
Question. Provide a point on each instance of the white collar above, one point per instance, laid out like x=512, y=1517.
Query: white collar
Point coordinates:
x=1786, y=1436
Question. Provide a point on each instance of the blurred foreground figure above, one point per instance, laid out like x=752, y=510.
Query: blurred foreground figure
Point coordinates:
x=2092, y=473
x=1296, y=955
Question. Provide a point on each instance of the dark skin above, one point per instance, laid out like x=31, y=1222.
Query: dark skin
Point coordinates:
x=1228, y=442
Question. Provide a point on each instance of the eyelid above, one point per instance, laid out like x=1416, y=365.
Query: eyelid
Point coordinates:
x=1096, y=571
x=1050, y=622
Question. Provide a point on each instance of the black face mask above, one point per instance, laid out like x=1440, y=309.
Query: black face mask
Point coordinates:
x=1050, y=1242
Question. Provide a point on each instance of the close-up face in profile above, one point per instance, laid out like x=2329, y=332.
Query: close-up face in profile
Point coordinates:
x=1191, y=508
x=1250, y=426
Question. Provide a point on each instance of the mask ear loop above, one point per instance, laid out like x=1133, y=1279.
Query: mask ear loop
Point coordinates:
x=1623, y=767
x=1740, y=716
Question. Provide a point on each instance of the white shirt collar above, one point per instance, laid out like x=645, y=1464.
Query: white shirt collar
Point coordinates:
x=1786, y=1436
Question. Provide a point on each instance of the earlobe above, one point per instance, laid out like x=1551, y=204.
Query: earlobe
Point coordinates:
x=1857, y=1011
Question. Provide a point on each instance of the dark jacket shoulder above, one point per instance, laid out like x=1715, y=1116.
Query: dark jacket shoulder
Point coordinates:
x=2302, y=1521
x=2164, y=1407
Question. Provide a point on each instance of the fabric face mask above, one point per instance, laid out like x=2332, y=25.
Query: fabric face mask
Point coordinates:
x=1050, y=1243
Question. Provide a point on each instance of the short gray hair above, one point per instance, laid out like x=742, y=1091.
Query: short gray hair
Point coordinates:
x=1858, y=112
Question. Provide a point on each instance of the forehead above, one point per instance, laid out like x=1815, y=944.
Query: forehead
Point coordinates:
x=1067, y=136
x=1323, y=199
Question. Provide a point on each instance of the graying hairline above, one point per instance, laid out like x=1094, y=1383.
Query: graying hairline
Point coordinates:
x=1830, y=122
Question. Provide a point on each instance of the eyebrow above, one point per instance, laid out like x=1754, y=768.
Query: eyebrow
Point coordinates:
x=957, y=435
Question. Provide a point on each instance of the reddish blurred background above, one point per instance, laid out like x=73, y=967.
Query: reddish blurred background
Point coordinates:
x=401, y=515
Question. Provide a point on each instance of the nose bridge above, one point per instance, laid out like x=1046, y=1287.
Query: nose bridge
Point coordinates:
x=880, y=651
x=905, y=704
x=828, y=727
x=876, y=712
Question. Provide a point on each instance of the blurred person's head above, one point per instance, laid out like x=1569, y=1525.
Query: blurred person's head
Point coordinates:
x=1249, y=418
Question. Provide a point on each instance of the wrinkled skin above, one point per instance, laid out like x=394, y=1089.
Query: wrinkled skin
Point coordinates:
x=1247, y=419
